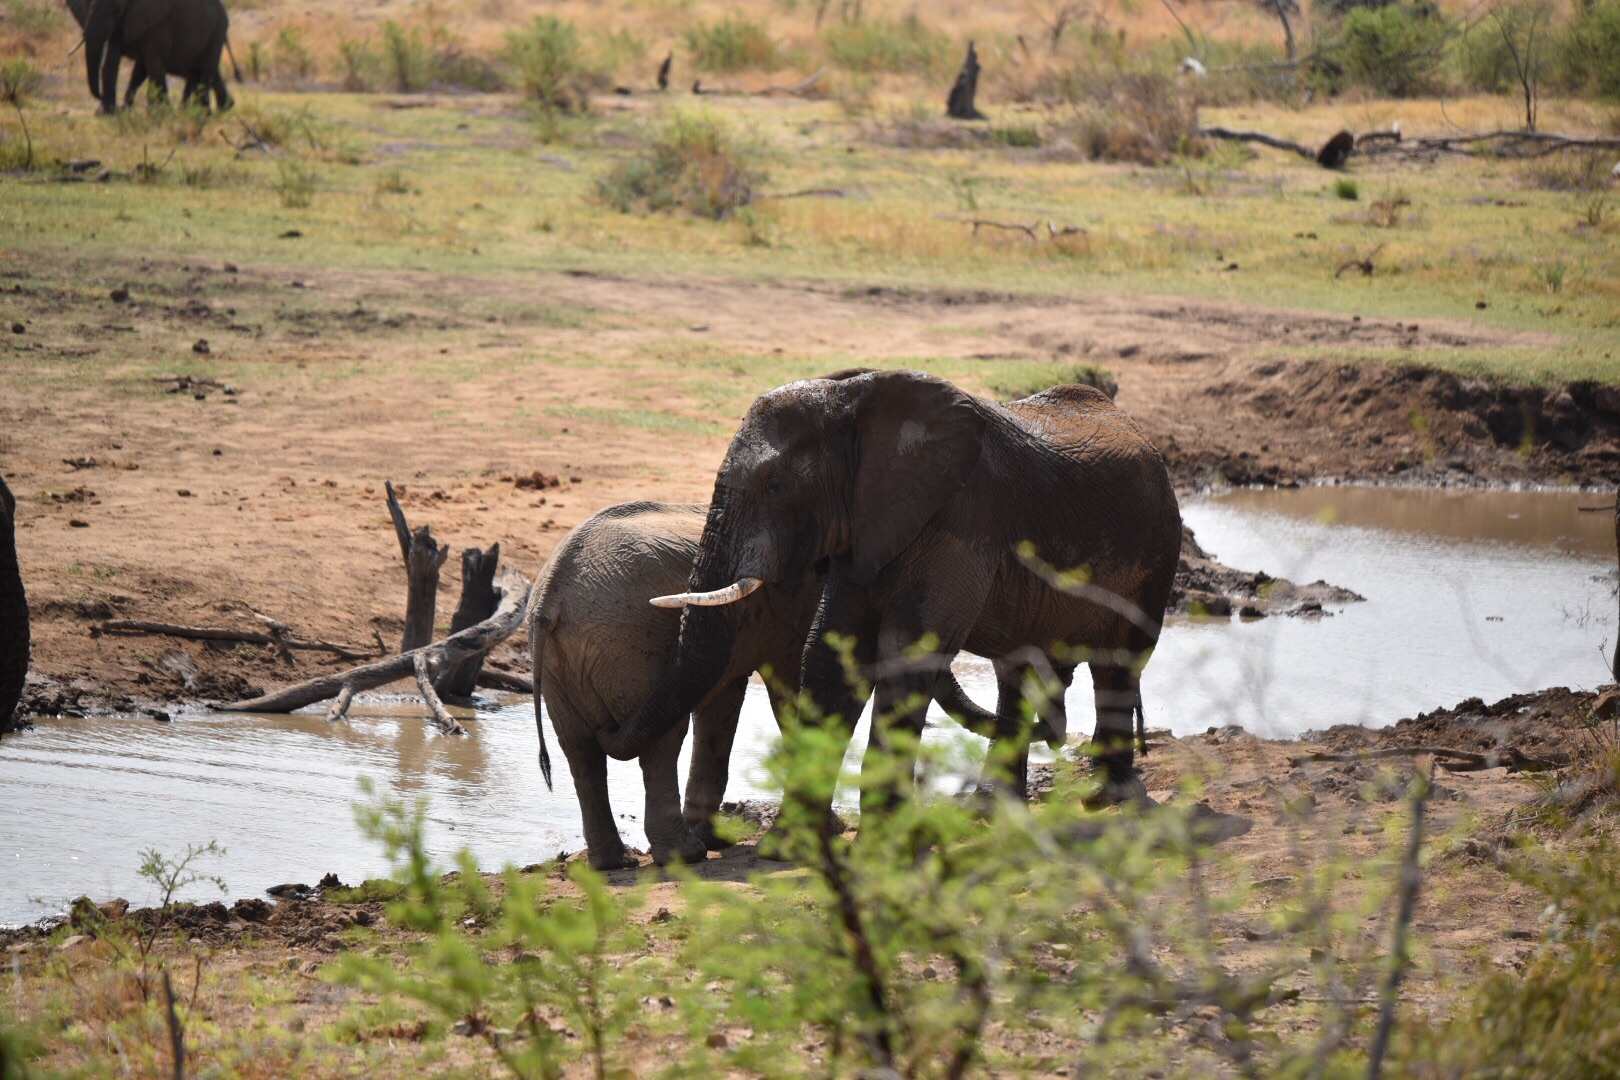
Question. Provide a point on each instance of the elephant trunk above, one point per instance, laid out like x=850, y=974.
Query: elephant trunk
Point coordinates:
x=702, y=660
x=92, y=66
x=14, y=638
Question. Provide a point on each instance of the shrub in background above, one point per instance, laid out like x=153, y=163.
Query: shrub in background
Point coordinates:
x=695, y=163
x=361, y=65
x=548, y=64
x=1591, y=48
x=905, y=46
x=732, y=44
x=407, y=63
x=1392, y=50
x=1148, y=119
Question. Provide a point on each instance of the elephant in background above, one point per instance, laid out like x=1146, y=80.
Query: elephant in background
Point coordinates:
x=14, y=644
x=599, y=649
x=934, y=511
x=181, y=37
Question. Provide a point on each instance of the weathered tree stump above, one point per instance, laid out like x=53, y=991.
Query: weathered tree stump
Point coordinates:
x=423, y=558
x=1336, y=151
x=960, y=106
x=14, y=637
x=663, y=71
x=478, y=600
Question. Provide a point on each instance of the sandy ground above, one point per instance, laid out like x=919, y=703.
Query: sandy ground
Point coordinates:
x=204, y=507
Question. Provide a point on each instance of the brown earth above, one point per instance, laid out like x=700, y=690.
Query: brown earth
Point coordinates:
x=154, y=499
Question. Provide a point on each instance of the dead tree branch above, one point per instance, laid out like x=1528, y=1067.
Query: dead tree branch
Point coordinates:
x=1400, y=951
x=424, y=682
x=1239, y=135
x=491, y=679
x=1365, y=265
x=277, y=638
x=1511, y=758
x=473, y=641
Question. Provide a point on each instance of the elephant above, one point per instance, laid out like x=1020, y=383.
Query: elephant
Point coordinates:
x=1039, y=534
x=165, y=36
x=599, y=648
x=13, y=616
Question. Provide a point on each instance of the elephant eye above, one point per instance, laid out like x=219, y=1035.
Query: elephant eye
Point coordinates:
x=774, y=486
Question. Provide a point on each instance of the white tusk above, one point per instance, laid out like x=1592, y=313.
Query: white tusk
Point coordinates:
x=720, y=597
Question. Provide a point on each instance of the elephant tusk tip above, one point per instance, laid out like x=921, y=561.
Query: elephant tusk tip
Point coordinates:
x=675, y=601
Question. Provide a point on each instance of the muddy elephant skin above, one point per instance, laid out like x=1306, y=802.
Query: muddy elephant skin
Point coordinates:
x=14, y=642
x=938, y=514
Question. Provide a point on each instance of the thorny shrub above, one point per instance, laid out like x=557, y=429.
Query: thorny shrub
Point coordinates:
x=732, y=43
x=695, y=162
x=548, y=64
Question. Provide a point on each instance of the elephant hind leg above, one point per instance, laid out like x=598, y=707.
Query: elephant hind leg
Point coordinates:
x=588, y=766
x=1118, y=696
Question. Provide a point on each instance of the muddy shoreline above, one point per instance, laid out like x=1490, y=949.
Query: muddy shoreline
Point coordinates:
x=1247, y=775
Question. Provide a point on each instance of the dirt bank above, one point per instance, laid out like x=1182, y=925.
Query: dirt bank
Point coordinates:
x=255, y=489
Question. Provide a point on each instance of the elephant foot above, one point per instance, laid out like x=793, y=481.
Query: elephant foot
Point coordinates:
x=1119, y=788
x=689, y=849
x=706, y=832
x=611, y=859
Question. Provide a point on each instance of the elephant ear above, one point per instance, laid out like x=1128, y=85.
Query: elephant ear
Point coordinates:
x=135, y=21
x=918, y=439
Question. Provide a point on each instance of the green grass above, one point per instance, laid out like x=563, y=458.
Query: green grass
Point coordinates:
x=477, y=198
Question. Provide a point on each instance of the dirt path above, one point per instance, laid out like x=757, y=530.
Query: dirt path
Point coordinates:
x=203, y=506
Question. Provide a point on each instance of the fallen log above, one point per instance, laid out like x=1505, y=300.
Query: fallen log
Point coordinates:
x=1511, y=759
x=277, y=639
x=1238, y=135
x=490, y=679
x=473, y=641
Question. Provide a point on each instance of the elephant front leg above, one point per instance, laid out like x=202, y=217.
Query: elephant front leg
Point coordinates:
x=671, y=840
x=1011, y=744
x=109, y=81
x=714, y=729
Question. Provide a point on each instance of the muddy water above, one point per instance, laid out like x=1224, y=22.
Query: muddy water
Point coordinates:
x=1467, y=593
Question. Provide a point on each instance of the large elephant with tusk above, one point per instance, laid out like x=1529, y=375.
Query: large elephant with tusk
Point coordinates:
x=600, y=649
x=14, y=638
x=1039, y=534
x=166, y=37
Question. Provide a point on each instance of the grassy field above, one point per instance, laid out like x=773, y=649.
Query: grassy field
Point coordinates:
x=478, y=186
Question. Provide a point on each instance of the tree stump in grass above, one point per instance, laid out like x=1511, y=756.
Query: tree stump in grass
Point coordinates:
x=14, y=638
x=960, y=106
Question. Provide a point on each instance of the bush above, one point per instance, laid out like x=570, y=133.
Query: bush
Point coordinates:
x=904, y=47
x=362, y=66
x=1147, y=119
x=1591, y=48
x=292, y=59
x=407, y=62
x=695, y=163
x=32, y=22
x=732, y=44
x=1392, y=50
x=1346, y=189
x=548, y=64
x=295, y=183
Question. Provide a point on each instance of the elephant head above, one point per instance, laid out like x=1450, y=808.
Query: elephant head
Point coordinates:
x=850, y=467
x=13, y=614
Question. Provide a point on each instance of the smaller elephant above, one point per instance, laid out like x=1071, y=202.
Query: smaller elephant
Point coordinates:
x=599, y=649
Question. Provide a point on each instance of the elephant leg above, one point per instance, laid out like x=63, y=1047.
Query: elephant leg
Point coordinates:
x=109, y=81
x=588, y=764
x=666, y=829
x=1117, y=693
x=222, y=97
x=714, y=728
x=137, y=79
x=1012, y=736
x=189, y=94
x=889, y=764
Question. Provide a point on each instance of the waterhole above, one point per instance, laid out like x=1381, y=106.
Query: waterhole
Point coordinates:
x=1472, y=593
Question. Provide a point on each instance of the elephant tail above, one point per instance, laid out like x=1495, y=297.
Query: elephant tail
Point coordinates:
x=538, y=626
x=236, y=69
